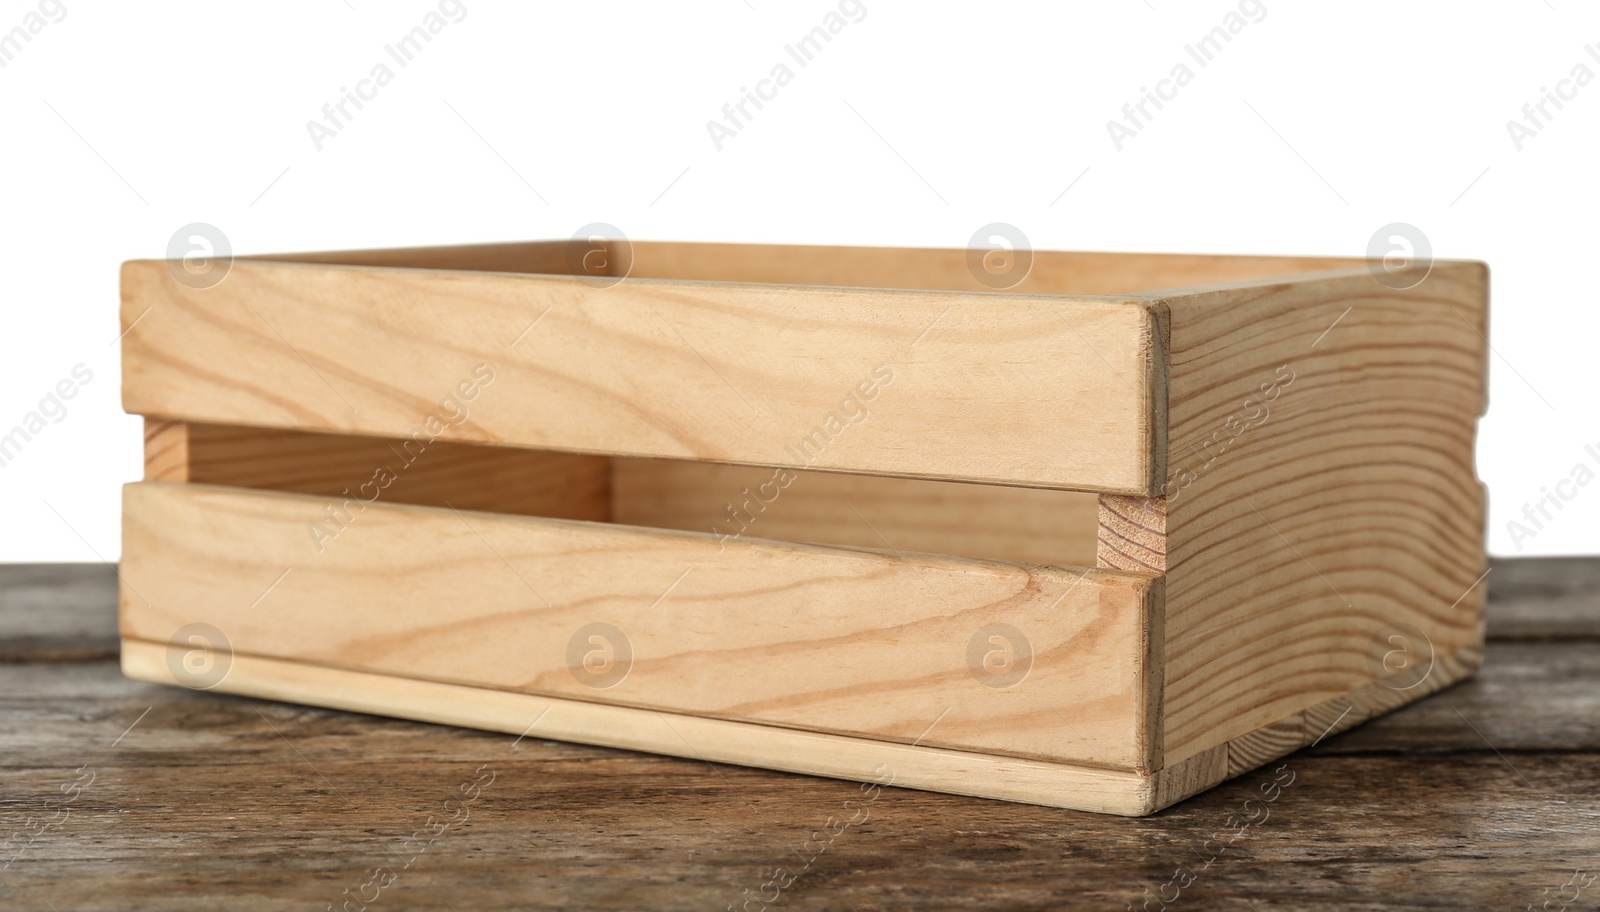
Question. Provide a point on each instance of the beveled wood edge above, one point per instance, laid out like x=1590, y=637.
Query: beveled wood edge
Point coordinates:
x=1151, y=727
x=1158, y=366
x=690, y=737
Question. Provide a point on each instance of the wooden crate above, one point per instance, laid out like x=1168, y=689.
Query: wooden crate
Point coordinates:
x=1088, y=543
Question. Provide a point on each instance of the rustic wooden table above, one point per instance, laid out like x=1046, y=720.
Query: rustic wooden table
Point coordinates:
x=116, y=794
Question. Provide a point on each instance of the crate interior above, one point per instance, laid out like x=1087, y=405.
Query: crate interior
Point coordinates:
x=942, y=269
x=879, y=513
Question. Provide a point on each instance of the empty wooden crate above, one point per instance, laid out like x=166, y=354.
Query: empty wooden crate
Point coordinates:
x=1132, y=527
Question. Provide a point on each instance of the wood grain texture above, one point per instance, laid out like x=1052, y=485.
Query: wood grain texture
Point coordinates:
x=428, y=472
x=1321, y=491
x=1312, y=506
x=550, y=257
x=1544, y=598
x=1052, y=272
x=1483, y=796
x=919, y=766
x=1264, y=745
x=895, y=647
x=1190, y=776
x=57, y=612
x=1026, y=525
x=1343, y=713
x=1058, y=390
x=1132, y=533
x=166, y=450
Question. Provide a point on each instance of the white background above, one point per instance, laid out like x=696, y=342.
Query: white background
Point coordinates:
x=918, y=124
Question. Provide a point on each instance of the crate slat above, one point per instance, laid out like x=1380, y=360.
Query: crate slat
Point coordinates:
x=1044, y=391
x=830, y=639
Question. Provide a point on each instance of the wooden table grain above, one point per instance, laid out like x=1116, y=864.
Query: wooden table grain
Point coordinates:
x=116, y=795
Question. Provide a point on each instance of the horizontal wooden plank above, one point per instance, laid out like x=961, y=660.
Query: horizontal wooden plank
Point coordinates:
x=556, y=831
x=1046, y=391
x=57, y=612
x=66, y=612
x=211, y=797
x=742, y=743
x=1544, y=598
x=1024, y=660
x=1529, y=697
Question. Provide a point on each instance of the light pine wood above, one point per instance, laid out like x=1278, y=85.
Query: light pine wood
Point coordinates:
x=948, y=269
x=1190, y=776
x=166, y=450
x=1213, y=765
x=1053, y=272
x=1058, y=392
x=827, y=639
x=1132, y=533
x=1299, y=524
x=919, y=766
x=1271, y=468
x=400, y=470
x=1324, y=720
x=551, y=257
x=893, y=514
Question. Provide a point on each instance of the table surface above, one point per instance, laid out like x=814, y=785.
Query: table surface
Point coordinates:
x=118, y=794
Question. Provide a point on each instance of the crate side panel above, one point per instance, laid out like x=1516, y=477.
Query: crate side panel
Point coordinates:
x=1021, y=390
x=1026, y=660
x=1322, y=498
